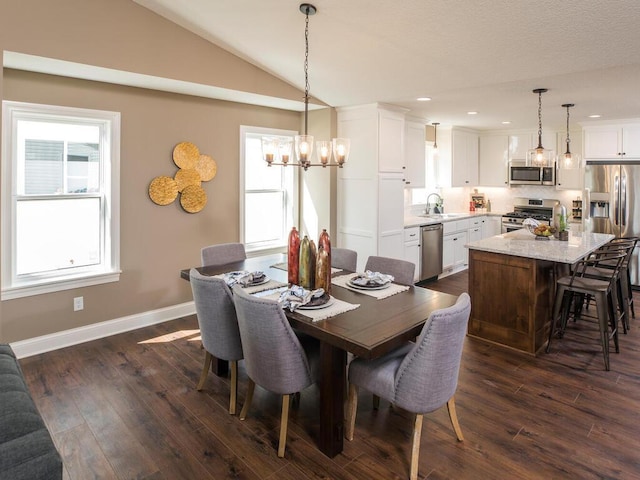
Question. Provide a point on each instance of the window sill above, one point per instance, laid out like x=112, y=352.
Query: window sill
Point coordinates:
x=51, y=286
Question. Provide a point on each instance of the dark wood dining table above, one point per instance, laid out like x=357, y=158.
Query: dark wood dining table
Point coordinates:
x=371, y=330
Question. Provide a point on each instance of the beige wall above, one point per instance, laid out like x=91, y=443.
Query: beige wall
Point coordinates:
x=156, y=242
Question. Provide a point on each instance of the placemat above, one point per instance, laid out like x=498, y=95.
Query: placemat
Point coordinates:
x=270, y=285
x=338, y=307
x=392, y=289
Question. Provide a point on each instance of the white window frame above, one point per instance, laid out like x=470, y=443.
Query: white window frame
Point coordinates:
x=108, y=269
x=248, y=130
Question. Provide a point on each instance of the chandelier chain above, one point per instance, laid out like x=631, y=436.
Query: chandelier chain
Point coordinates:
x=568, y=139
x=540, y=118
x=306, y=70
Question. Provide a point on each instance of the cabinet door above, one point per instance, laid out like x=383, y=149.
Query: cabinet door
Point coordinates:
x=570, y=179
x=390, y=141
x=493, y=161
x=448, y=251
x=460, y=251
x=415, y=154
x=491, y=226
x=602, y=143
x=391, y=215
x=519, y=145
x=464, y=159
x=631, y=142
x=475, y=234
x=412, y=254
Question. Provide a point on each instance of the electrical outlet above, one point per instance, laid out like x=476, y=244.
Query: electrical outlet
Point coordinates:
x=78, y=304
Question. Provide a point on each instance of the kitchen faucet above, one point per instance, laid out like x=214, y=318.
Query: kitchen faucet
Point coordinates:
x=437, y=208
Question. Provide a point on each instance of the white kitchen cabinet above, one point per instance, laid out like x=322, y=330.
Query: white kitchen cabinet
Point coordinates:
x=569, y=179
x=455, y=256
x=491, y=226
x=464, y=158
x=412, y=251
x=370, y=190
x=414, y=154
x=612, y=142
x=493, y=161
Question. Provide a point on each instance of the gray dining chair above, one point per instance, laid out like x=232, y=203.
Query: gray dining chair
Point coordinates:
x=222, y=253
x=274, y=357
x=401, y=270
x=218, y=327
x=344, y=259
x=419, y=377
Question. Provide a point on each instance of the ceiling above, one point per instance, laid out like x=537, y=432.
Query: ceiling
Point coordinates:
x=467, y=55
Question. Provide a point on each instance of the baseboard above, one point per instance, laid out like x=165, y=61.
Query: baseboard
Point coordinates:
x=74, y=336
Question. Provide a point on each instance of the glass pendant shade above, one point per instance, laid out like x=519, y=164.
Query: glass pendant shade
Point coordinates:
x=284, y=149
x=269, y=149
x=540, y=157
x=323, y=150
x=341, y=150
x=304, y=149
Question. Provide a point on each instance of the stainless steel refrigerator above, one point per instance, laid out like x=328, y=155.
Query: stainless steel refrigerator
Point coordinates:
x=612, y=203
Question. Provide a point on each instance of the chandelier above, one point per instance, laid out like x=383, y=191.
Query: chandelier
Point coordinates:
x=568, y=160
x=539, y=156
x=277, y=150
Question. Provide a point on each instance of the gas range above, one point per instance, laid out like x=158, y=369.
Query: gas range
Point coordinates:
x=523, y=208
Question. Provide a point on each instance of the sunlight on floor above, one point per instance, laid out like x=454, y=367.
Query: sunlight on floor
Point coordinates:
x=170, y=337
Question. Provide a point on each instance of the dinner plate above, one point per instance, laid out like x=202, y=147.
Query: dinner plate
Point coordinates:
x=367, y=287
x=260, y=282
x=326, y=304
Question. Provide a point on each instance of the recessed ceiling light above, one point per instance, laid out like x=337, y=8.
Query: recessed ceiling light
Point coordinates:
x=595, y=115
x=424, y=99
x=506, y=122
x=472, y=113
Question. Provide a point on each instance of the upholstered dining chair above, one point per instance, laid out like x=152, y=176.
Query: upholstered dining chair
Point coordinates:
x=218, y=327
x=275, y=358
x=401, y=270
x=222, y=253
x=344, y=259
x=419, y=377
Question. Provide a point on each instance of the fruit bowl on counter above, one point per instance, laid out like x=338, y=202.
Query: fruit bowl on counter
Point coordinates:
x=541, y=231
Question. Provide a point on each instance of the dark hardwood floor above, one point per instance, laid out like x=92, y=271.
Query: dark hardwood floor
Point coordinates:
x=126, y=407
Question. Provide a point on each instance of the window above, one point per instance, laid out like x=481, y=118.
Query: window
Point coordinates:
x=60, y=198
x=268, y=195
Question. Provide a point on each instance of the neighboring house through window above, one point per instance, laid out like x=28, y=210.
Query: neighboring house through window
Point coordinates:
x=60, y=198
x=268, y=195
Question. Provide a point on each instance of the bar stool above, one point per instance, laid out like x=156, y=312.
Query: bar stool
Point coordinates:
x=602, y=290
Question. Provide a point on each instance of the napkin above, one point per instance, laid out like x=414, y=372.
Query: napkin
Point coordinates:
x=243, y=278
x=369, y=278
x=296, y=296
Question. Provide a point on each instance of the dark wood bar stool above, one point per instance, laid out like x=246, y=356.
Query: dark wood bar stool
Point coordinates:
x=602, y=290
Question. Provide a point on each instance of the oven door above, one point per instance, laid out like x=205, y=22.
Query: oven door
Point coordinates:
x=511, y=227
x=523, y=175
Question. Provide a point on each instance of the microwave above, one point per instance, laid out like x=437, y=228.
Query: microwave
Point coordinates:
x=521, y=174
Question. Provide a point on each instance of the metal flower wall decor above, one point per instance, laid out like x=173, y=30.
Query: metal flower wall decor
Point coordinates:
x=193, y=169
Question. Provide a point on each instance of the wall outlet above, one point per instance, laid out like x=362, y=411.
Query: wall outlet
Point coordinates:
x=78, y=303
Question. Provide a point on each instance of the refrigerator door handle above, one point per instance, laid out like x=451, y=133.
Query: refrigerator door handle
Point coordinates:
x=623, y=199
x=616, y=200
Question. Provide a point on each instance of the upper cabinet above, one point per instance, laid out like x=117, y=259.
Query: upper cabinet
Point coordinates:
x=521, y=143
x=569, y=179
x=612, y=142
x=391, y=141
x=494, y=161
x=464, y=158
x=414, y=153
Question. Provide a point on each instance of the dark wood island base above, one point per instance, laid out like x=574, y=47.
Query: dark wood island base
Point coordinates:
x=511, y=300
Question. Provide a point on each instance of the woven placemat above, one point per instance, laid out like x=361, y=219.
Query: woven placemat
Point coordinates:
x=392, y=289
x=163, y=190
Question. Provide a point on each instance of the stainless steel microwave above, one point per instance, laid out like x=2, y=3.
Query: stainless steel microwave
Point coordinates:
x=521, y=174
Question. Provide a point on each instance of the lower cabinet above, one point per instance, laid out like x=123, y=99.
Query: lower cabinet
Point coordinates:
x=454, y=254
x=491, y=226
x=412, y=252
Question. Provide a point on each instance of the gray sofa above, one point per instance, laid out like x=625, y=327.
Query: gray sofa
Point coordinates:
x=27, y=451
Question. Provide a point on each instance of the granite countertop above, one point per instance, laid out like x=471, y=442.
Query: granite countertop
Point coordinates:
x=418, y=220
x=522, y=243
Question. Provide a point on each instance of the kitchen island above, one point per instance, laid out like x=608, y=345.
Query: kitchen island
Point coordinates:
x=512, y=284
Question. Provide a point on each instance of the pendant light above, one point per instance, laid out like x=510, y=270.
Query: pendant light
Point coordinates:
x=568, y=160
x=539, y=156
x=435, y=136
x=303, y=144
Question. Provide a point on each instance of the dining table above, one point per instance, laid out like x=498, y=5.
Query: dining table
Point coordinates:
x=370, y=328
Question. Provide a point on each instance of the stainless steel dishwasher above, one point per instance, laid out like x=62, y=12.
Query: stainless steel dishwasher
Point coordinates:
x=431, y=236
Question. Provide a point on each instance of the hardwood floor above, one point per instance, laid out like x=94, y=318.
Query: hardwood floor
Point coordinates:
x=126, y=407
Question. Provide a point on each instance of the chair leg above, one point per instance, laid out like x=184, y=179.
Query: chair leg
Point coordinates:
x=415, y=448
x=352, y=406
x=376, y=402
x=284, y=420
x=451, y=407
x=557, y=306
x=613, y=319
x=603, y=322
x=233, y=394
x=247, y=400
x=205, y=370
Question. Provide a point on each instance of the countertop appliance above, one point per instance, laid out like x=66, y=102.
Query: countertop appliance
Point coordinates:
x=523, y=208
x=612, y=203
x=431, y=242
x=521, y=174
